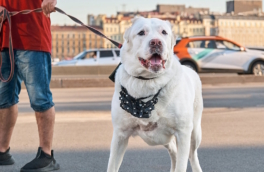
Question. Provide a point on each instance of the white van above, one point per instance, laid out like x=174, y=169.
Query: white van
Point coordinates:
x=94, y=57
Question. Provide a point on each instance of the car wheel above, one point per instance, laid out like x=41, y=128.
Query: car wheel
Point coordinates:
x=190, y=65
x=258, y=69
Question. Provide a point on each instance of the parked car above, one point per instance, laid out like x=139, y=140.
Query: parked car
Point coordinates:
x=94, y=57
x=217, y=54
x=55, y=60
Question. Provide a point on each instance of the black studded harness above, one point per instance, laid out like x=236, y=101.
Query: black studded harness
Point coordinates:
x=137, y=107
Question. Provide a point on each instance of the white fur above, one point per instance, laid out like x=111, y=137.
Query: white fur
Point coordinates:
x=179, y=109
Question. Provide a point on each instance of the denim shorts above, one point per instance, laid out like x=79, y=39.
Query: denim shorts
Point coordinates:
x=32, y=67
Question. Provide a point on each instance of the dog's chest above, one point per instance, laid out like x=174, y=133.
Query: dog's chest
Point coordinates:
x=155, y=131
x=150, y=126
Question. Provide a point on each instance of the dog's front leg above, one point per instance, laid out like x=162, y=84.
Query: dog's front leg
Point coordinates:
x=183, y=138
x=118, y=148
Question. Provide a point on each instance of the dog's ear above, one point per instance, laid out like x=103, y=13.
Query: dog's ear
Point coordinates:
x=173, y=37
x=126, y=34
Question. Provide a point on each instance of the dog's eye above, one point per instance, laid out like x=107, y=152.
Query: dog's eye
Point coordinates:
x=141, y=33
x=164, y=32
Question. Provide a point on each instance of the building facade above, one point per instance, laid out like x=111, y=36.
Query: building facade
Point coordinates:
x=114, y=27
x=245, y=30
x=181, y=9
x=241, y=6
x=68, y=41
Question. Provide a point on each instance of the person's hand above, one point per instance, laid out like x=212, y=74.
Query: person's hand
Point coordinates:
x=48, y=6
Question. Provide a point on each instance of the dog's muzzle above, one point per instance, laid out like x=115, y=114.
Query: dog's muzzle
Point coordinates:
x=155, y=46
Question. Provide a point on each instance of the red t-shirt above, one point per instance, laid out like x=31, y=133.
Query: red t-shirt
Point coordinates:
x=29, y=31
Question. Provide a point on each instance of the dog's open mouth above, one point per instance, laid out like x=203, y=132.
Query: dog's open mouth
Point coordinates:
x=155, y=62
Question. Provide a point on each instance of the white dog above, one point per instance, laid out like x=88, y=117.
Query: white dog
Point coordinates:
x=155, y=97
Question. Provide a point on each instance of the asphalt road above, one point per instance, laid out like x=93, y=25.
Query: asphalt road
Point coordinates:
x=99, y=99
x=233, y=137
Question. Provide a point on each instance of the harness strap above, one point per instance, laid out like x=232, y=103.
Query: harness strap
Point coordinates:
x=6, y=14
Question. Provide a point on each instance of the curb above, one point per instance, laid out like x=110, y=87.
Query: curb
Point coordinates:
x=240, y=79
x=105, y=82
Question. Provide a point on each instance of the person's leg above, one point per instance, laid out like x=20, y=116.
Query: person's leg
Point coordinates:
x=45, y=121
x=8, y=119
x=9, y=92
x=36, y=67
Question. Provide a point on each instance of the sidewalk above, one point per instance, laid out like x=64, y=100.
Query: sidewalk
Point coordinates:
x=86, y=81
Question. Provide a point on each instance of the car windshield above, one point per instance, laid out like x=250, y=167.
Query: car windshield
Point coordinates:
x=177, y=41
x=86, y=55
x=202, y=44
x=79, y=56
x=117, y=53
x=227, y=45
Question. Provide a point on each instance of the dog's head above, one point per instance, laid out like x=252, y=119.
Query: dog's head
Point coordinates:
x=148, y=47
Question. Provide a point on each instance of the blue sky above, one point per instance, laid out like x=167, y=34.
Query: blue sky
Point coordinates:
x=80, y=8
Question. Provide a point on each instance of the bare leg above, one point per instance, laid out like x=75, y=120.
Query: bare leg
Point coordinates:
x=172, y=149
x=8, y=119
x=45, y=121
x=118, y=148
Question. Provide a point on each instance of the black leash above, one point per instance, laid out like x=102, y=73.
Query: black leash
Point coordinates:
x=6, y=14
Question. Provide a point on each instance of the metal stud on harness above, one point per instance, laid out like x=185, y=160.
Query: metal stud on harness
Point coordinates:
x=7, y=15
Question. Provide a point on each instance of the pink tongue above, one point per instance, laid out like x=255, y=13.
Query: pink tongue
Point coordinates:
x=155, y=60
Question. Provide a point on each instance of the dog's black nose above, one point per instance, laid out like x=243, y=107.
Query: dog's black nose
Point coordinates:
x=155, y=42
